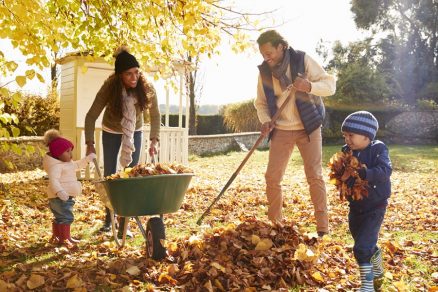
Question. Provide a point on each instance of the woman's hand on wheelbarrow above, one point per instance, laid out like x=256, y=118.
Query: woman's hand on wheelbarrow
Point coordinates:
x=90, y=148
x=153, y=147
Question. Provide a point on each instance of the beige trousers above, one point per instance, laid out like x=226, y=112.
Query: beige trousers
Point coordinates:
x=310, y=147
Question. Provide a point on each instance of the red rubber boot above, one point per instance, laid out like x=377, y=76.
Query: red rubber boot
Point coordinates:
x=65, y=238
x=55, y=234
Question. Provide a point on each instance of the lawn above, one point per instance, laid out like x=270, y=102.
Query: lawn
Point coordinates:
x=221, y=254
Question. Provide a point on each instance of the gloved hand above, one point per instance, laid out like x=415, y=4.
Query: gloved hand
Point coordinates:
x=350, y=182
x=62, y=195
x=362, y=172
x=91, y=156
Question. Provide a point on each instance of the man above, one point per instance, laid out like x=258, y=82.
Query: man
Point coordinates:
x=298, y=124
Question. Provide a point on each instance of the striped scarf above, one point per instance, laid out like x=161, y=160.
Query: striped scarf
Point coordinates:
x=279, y=71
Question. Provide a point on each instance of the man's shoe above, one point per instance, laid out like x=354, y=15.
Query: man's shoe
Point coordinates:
x=321, y=233
x=128, y=234
x=106, y=227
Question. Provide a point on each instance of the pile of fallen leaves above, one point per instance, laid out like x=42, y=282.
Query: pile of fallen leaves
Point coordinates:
x=148, y=169
x=344, y=165
x=254, y=255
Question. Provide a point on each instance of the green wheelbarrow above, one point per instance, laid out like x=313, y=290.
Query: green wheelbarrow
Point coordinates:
x=141, y=196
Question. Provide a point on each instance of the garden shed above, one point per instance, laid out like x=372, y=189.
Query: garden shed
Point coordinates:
x=82, y=77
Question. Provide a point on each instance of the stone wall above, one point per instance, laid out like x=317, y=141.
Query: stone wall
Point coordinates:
x=209, y=144
x=413, y=128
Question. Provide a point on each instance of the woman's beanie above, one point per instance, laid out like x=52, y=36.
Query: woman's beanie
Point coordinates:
x=361, y=122
x=125, y=61
x=57, y=145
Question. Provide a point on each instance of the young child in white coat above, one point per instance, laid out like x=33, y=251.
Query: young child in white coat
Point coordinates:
x=63, y=185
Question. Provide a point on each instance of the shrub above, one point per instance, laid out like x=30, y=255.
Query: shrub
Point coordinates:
x=427, y=104
x=206, y=124
x=241, y=117
x=35, y=114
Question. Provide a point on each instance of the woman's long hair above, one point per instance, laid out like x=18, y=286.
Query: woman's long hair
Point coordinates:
x=140, y=91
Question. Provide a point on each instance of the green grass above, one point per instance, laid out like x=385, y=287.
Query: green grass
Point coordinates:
x=421, y=158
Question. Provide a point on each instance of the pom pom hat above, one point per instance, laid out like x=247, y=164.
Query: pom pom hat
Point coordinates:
x=125, y=61
x=361, y=122
x=57, y=145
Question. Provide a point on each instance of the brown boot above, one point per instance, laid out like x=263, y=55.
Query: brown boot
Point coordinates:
x=65, y=238
x=55, y=234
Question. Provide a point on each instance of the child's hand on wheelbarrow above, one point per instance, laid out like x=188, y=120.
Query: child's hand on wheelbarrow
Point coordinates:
x=90, y=157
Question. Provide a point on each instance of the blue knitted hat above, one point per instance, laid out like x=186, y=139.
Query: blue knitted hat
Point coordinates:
x=361, y=122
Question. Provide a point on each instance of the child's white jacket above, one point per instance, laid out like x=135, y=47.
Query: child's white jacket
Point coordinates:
x=62, y=175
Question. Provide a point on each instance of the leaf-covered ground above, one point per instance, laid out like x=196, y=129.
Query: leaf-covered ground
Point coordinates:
x=236, y=249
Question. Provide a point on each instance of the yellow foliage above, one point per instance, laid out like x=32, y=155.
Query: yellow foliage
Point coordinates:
x=157, y=32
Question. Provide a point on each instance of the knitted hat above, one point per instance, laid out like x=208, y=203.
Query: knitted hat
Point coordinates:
x=361, y=122
x=59, y=145
x=125, y=61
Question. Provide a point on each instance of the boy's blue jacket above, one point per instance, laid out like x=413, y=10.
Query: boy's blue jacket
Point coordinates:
x=379, y=169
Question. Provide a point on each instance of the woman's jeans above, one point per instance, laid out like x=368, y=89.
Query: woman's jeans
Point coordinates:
x=111, y=147
x=62, y=210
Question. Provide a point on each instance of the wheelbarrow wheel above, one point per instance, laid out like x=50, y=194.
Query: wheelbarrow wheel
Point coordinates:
x=155, y=235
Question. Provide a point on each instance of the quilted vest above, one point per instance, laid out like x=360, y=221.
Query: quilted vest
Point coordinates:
x=310, y=107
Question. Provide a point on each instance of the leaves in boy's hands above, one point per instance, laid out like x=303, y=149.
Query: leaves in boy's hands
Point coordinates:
x=343, y=166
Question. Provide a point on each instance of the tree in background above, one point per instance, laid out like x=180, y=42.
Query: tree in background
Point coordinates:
x=408, y=45
x=191, y=83
x=359, y=79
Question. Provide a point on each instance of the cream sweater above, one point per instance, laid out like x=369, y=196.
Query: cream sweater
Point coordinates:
x=62, y=176
x=323, y=84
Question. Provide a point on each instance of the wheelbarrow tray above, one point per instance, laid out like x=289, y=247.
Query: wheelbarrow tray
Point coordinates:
x=148, y=195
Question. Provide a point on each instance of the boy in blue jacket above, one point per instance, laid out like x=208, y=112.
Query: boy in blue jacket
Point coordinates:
x=366, y=216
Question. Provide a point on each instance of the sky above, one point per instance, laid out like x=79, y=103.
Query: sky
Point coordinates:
x=229, y=77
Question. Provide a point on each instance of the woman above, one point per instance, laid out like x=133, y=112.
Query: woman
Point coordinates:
x=127, y=98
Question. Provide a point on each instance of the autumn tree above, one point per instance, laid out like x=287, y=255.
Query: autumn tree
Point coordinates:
x=158, y=32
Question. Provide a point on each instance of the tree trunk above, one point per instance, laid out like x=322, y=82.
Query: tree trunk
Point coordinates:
x=191, y=79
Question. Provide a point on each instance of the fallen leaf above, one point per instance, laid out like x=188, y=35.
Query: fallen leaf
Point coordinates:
x=133, y=270
x=35, y=281
x=208, y=286
x=401, y=286
x=317, y=277
x=218, y=266
x=255, y=239
x=74, y=282
x=264, y=244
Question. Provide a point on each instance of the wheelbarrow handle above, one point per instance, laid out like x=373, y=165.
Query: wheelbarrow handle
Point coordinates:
x=96, y=165
x=287, y=94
